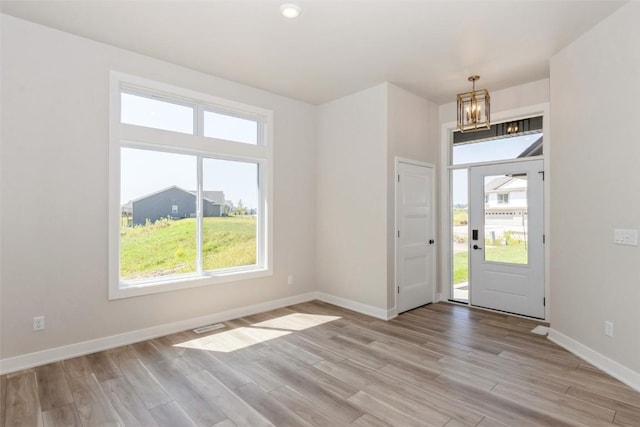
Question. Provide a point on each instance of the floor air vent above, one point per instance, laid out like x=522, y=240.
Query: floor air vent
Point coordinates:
x=540, y=330
x=208, y=328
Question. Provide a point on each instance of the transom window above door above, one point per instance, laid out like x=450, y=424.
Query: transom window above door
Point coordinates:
x=498, y=143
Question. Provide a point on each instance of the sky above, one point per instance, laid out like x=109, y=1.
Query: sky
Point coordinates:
x=145, y=171
x=497, y=149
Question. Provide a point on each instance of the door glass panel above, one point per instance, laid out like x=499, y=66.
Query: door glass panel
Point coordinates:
x=460, y=231
x=505, y=219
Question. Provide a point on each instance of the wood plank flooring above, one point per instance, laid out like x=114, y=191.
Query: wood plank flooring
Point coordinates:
x=315, y=364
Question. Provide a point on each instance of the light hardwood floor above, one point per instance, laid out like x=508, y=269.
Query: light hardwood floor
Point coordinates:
x=315, y=364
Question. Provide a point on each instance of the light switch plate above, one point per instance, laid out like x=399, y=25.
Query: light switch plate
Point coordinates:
x=625, y=237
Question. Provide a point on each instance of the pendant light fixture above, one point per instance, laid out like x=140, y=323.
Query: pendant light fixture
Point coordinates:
x=474, y=108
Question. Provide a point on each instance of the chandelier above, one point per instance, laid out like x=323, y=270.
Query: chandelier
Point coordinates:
x=474, y=108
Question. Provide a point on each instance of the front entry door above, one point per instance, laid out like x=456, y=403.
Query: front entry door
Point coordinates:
x=415, y=239
x=507, y=237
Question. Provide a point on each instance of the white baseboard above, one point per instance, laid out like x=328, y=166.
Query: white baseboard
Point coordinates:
x=369, y=310
x=611, y=367
x=30, y=360
x=17, y=363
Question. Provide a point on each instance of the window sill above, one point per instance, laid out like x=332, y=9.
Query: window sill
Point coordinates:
x=121, y=290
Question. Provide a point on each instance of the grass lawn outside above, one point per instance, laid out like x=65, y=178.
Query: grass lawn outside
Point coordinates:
x=168, y=247
x=460, y=267
x=460, y=216
x=513, y=253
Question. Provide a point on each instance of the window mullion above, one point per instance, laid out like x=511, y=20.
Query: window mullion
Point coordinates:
x=199, y=217
x=198, y=124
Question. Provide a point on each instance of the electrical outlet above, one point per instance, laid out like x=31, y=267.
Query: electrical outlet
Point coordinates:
x=608, y=328
x=290, y=280
x=38, y=323
x=625, y=237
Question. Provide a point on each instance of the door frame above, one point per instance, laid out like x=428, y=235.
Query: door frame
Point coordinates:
x=434, y=263
x=446, y=136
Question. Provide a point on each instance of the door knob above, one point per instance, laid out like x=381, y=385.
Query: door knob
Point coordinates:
x=431, y=241
x=476, y=247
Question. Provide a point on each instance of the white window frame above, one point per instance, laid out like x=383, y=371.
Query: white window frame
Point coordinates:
x=133, y=136
x=237, y=115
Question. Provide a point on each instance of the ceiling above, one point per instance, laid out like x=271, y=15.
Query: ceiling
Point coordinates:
x=336, y=48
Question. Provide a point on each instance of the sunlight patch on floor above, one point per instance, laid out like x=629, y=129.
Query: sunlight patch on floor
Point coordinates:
x=239, y=338
x=297, y=321
x=236, y=339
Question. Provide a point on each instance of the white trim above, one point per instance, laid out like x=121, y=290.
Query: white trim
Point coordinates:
x=159, y=139
x=31, y=360
x=414, y=162
x=356, y=306
x=151, y=87
x=491, y=310
x=187, y=281
x=396, y=167
x=610, y=366
x=446, y=272
x=495, y=162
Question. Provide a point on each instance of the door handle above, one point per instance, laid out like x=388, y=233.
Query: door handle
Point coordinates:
x=476, y=247
x=431, y=241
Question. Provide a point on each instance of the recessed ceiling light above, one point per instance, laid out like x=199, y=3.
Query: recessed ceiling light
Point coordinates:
x=290, y=10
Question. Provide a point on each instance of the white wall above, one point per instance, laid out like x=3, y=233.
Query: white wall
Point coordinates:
x=596, y=187
x=358, y=138
x=337, y=157
x=412, y=133
x=54, y=168
x=352, y=199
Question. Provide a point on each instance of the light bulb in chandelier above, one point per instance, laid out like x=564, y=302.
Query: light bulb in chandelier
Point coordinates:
x=473, y=108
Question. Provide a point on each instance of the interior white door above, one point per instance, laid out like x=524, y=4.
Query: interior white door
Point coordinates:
x=507, y=237
x=415, y=240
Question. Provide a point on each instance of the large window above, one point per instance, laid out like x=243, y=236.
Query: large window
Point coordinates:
x=191, y=179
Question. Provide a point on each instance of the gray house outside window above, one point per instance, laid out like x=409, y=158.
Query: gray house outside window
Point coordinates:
x=175, y=203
